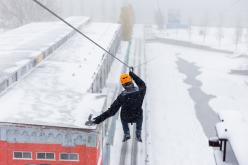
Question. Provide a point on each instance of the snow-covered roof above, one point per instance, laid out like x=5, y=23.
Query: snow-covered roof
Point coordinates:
x=22, y=42
x=23, y=48
x=62, y=109
x=55, y=93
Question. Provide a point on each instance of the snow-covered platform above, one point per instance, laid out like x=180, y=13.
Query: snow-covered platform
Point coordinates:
x=232, y=135
x=23, y=48
x=236, y=128
x=55, y=93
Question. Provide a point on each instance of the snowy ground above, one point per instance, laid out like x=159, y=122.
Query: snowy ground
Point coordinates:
x=233, y=39
x=186, y=87
x=216, y=74
x=177, y=136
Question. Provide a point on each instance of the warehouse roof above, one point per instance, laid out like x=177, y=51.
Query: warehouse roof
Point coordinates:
x=55, y=93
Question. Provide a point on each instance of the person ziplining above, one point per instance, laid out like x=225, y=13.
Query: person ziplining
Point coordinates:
x=130, y=101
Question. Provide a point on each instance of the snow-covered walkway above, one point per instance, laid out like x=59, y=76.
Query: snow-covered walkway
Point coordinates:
x=176, y=136
x=186, y=89
x=130, y=152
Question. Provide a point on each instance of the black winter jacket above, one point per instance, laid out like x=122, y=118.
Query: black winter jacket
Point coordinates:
x=130, y=103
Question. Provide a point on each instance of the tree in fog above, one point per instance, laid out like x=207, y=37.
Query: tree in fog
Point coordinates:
x=127, y=22
x=190, y=28
x=15, y=13
x=159, y=18
x=238, y=36
x=220, y=33
x=238, y=33
x=204, y=28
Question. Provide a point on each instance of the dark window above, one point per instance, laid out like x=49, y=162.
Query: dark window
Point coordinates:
x=64, y=156
x=69, y=156
x=27, y=155
x=17, y=154
x=73, y=156
x=50, y=156
x=22, y=155
x=41, y=156
x=45, y=155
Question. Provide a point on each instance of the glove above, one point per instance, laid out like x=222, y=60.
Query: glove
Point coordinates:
x=91, y=122
x=96, y=120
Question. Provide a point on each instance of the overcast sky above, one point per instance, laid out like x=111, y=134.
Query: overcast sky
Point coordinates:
x=230, y=12
x=192, y=8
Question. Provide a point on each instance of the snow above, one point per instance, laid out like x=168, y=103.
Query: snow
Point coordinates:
x=177, y=136
x=30, y=32
x=173, y=132
x=55, y=92
x=176, y=131
x=230, y=90
x=195, y=35
x=24, y=47
x=219, y=158
x=221, y=130
x=37, y=36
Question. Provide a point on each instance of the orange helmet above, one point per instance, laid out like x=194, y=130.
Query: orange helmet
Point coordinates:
x=125, y=78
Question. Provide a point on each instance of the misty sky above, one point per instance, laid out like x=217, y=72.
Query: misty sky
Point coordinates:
x=229, y=9
x=228, y=12
x=232, y=11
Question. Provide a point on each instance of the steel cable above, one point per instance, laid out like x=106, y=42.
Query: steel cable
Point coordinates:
x=74, y=28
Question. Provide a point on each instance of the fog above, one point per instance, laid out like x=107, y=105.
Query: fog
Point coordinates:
x=228, y=12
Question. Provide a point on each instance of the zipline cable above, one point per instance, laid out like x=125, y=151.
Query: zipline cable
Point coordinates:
x=145, y=63
x=74, y=28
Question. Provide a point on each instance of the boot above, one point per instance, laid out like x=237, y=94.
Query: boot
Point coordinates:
x=126, y=137
x=138, y=137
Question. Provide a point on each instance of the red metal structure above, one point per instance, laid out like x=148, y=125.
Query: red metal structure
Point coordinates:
x=85, y=155
x=39, y=145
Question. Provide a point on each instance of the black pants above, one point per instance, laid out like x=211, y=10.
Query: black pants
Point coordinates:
x=138, y=126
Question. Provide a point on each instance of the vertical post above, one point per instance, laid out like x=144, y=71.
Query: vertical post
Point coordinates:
x=224, y=151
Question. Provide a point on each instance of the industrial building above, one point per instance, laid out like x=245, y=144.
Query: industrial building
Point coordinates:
x=42, y=115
